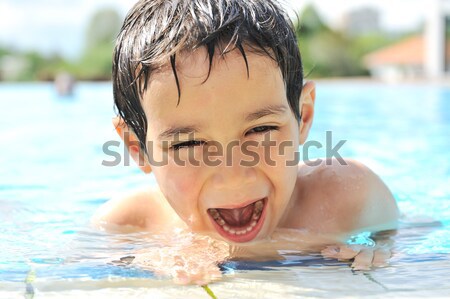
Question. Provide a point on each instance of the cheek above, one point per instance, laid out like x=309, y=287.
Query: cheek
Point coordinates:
x=181, y=182
x=180, y=185
x=283, y=164
x=175, y=176
x=282, y=152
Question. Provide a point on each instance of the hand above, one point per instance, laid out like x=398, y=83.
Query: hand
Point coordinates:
x=192, y=260
x=363, y=257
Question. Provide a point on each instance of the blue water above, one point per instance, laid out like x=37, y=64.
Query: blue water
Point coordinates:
x=52, y=180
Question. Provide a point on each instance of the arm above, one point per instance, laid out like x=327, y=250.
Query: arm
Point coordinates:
x=141, y=210
x=370, y=206
x=194, y=261
x=370, y=201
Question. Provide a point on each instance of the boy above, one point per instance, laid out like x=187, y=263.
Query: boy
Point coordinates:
x=192, y=78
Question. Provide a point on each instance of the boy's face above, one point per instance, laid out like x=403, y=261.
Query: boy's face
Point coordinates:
x=219, y=124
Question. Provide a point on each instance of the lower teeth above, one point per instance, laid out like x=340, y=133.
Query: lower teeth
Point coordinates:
x=259, y=205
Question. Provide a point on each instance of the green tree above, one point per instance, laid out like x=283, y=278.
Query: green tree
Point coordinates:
x=101, y=33
x=4, y=51
x=325, y=52
x=310, y=22
x=103, y=28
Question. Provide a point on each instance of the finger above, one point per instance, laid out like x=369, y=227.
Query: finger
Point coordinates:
x=330, y=251
x=215, y=273
x=203, y=279
x=347, y=252
x=381, y=257
x=200, y=278
x=181, y=277
x=363, y=261
x=344, y=252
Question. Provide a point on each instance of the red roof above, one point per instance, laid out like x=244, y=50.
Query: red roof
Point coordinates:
x=410, y=51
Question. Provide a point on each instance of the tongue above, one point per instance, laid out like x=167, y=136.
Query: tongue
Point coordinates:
x=237, y=217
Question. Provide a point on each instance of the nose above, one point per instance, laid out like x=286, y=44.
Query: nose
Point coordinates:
x=233, y=177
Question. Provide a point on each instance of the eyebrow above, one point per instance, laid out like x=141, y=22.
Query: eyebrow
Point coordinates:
x=269, y=110
x=173, y=131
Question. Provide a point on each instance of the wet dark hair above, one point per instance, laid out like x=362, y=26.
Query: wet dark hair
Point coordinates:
x=155, y=31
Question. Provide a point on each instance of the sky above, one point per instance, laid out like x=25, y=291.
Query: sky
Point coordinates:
x=51, y=26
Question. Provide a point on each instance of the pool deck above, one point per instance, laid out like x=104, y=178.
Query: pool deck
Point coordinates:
x=306, y=282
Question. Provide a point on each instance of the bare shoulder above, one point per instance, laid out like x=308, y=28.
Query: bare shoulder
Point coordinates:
x=350, y=193
x=143, y=209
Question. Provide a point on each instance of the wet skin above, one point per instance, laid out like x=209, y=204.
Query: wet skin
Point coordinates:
x=327, y=201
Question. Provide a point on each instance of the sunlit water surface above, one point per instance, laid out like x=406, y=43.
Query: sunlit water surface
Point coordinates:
x=52, y=180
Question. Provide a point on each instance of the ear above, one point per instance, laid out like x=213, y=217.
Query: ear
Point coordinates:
x=131, y=144
x=307, y=100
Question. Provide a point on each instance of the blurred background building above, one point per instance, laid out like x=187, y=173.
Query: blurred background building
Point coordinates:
x=361, y=21
x=423, y=55
x=437, y=39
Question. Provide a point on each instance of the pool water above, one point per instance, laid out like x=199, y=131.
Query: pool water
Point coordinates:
x=52, y=180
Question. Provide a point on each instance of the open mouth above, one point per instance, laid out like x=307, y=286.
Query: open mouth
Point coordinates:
x=240, y=224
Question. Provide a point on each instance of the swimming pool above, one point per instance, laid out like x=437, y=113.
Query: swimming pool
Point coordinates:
x=52, y=181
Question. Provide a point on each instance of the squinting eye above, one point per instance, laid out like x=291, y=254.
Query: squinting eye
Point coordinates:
x=187, y=144
x=262, y=129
